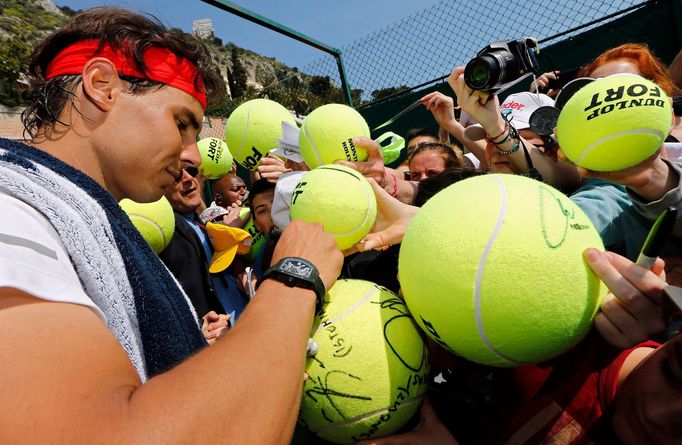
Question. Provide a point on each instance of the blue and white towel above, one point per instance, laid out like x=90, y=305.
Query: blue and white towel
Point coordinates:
x=146, y=309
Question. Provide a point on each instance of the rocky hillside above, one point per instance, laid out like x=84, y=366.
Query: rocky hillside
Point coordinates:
x=247, y=74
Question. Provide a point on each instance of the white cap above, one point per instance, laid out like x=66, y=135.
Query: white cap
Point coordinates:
x=520, y=106
x=284, y=189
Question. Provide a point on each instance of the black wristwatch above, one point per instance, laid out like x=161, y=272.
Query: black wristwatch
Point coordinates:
x=297, y=272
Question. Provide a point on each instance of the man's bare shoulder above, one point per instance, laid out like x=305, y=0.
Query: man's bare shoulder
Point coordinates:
x=59, y=357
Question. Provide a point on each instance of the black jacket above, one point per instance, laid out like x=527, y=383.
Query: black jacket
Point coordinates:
x=186, y=259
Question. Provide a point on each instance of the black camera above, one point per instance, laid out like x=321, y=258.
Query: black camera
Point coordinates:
x=500, y=63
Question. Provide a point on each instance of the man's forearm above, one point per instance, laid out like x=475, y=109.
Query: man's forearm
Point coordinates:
x=245, y=388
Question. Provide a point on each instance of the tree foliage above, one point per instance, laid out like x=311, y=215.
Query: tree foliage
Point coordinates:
x=236, y=77
x=248, y=75
x=22, y=23
x=385, y=92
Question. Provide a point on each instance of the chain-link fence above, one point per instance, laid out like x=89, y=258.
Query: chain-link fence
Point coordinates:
x=430, y=43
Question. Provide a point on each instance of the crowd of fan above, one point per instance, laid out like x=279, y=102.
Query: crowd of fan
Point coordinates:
x=622, y=383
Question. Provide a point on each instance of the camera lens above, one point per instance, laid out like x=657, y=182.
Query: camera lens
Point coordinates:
x=490, y=70
x=481, y=73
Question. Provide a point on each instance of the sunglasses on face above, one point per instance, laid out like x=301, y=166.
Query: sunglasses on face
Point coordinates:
x=192, y=171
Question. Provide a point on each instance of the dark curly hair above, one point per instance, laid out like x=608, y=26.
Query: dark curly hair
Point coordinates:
x=125, y=31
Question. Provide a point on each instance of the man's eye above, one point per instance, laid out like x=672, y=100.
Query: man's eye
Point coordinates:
x=181, y=124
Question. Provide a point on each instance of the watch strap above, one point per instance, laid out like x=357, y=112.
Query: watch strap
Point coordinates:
x=297, y=272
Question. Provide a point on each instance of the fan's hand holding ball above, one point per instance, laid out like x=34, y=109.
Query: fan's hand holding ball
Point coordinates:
x=338, y=197
x=492, y=268
x=614, y=123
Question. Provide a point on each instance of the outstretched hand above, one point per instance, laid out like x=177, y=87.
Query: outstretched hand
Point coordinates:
x=633, y=310
x=441, y=106
x=373, y=167
x=392, y=220
x=650, y=179
x=542, y=82
x=271, y=168
x=481, y=106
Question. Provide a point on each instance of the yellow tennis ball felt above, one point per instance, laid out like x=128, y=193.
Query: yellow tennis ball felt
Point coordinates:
x=253, y=128
x=338, y=197
x=327, y=133
x=492, y=268
x=216, y=159
x=614, y=123
x=154, y=220
x=370, y=372
x=257, y=237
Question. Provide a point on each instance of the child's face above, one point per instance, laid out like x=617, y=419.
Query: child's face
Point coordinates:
x=648, y=407
x=262, y=208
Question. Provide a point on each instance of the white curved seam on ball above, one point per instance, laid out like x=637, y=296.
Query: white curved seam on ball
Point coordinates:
x=312, y=144
x=348, y=310
x=600, y=141
x=246, y=129
x=407, y=402
x=155, y=224
x=479, y=271
x=348, y=232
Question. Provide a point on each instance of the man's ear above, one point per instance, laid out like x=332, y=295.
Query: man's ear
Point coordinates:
x=101, y=83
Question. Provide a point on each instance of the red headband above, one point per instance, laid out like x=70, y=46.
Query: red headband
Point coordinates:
x=162, y=66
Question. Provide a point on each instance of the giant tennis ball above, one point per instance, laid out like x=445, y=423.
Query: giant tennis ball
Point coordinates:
x=154, y=220
x=327, y=135
x=338, y=197
x=253, y=129
x=370, y=372
x=216, y=159
x=492, y=268
x=614, y=123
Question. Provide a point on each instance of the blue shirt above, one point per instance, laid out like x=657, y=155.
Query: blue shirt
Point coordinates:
x=225, y=285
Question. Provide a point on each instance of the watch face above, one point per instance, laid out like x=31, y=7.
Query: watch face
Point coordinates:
x=297, y=267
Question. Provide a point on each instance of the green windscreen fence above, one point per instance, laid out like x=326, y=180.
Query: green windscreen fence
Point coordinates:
x=654, y=23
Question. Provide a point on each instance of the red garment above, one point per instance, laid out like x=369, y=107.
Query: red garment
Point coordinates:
x=563, y=401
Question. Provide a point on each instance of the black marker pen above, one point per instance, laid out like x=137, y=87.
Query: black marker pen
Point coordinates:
x=657, y=237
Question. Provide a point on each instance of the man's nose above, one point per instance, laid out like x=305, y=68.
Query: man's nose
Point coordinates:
x=190, y=155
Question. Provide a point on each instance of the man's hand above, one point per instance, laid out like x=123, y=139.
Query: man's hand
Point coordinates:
x=441, y=106
x=633, y=310
x=233, y=218
x=392, y=220
x=214, y=325
x=542, y=82
x=310, y=242
x=271, y=168
x=373, y=167
x=651, y=179
x=482, y=107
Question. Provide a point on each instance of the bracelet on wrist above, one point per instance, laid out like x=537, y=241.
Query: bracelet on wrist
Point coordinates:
x=503, y=140
x=514, y=149
x=505, y=130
